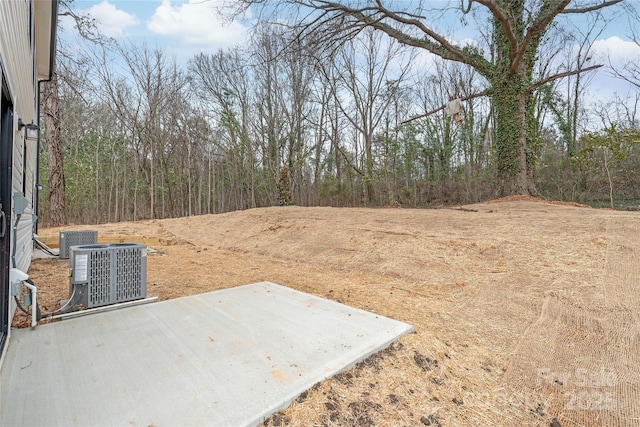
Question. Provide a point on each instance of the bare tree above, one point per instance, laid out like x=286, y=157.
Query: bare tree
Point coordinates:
x=368, y=71
x=578, y=57
x=158, y=91
x=507, y=62
x=270, y=124
x=223, y=81
x=85, y=28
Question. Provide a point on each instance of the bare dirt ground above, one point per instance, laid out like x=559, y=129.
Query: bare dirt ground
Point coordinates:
x=525, y=312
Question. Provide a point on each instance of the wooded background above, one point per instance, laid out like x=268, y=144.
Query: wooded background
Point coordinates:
x=298, y=120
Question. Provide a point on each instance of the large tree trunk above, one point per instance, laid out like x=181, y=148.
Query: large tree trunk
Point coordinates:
x=510, y=103
x=51, y=110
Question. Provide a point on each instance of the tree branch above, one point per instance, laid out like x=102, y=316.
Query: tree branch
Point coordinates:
x=561, y=75
x=468, y=8
x=442, y=107
x=633, y=70
x=346, y=158
x=435, y=43
x=541, y=22
x=592, y=8
x=506, y=25
x=84, y=24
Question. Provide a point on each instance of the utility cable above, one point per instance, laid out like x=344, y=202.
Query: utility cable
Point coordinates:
x=45, y=248
x=62, y=309
x=22, y=309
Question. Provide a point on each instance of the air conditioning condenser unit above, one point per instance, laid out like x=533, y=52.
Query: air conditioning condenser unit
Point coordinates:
x=74, y=238
x=107, y=274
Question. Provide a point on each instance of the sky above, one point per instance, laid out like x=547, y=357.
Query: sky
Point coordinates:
x=183, y=27
x=188, y=27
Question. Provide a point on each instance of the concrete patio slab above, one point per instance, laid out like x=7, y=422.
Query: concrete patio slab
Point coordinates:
x=225, y=358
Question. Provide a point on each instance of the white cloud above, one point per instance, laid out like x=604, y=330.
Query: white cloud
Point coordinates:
x=619, y=51
x=111, y=21
x=197, y=23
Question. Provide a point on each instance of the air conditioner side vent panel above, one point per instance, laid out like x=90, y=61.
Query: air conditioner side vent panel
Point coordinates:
x=75, y=238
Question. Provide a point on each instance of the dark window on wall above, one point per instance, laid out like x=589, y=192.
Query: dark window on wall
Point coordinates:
x=6, y=149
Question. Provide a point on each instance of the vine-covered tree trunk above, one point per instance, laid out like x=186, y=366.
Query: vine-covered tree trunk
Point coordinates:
x=510, y=104
x=51, y=110
x=511, y=99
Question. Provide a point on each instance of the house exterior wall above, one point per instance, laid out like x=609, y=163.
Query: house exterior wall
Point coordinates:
x=17, y=55
x=18, y=50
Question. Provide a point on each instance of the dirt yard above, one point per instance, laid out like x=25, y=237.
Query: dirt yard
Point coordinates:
x=525, y=312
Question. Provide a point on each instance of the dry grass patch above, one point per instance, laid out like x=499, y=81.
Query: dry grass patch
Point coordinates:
x=473, y=281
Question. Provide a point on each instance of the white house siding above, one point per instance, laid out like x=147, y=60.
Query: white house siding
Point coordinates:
x=23, y=244
x=17, y=50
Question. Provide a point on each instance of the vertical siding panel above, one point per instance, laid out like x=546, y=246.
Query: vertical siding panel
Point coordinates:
x=17, y=58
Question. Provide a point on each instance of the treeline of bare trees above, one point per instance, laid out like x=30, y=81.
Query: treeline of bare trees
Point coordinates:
x=281, y=122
